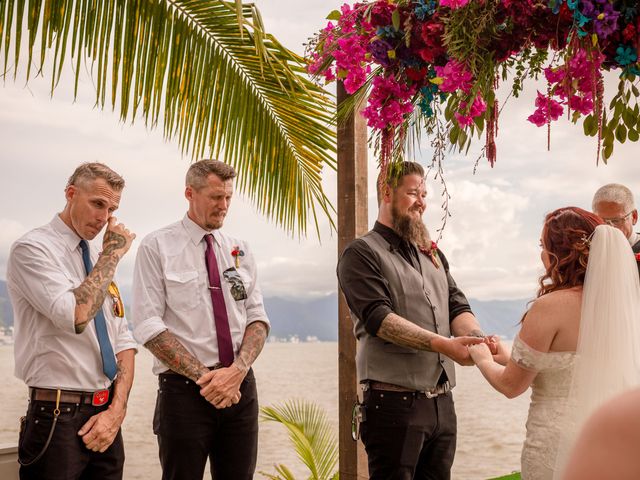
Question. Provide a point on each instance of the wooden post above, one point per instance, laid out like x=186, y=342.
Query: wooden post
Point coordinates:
x=352, y=222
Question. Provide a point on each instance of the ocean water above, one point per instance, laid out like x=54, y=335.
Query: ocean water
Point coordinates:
x=490, y=427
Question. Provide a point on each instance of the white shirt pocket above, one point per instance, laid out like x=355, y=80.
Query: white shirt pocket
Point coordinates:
x=182, y=290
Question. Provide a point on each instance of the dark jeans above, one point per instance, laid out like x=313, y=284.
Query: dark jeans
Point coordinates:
x=67, y=457
x=190, y=430
x=409, y=436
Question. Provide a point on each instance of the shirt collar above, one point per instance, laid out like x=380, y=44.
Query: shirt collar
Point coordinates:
x=69, y=237
x=389, y=234
x=634, y=238
x=196, y=232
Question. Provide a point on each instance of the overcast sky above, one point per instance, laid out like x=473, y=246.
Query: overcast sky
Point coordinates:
x=491, y=239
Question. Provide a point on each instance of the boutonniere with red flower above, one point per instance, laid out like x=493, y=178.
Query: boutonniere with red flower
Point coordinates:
x=236, y=253
x=637, y=257
x=432, y=253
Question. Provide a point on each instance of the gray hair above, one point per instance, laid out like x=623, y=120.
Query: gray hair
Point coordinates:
x=615, y=193
x=199, y=171
x=91, y=171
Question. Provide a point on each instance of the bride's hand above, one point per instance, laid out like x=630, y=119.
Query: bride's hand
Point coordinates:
x=480, y=352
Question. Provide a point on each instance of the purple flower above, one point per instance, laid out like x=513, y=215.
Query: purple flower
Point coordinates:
x=379, y=50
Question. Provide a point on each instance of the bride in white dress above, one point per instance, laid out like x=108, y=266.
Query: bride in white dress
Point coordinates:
x=579, y=343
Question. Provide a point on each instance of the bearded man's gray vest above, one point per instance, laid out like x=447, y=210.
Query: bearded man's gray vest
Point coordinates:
x=421, y=298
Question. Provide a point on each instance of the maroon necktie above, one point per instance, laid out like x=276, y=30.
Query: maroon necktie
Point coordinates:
x=225, y=347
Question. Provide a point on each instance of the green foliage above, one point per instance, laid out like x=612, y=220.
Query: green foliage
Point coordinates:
x=512, y=476
x=311, y=435
x=622, y=122
x=206, y=70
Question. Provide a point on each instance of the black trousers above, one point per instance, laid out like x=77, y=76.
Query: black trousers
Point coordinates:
x=409, y=436
x=67, y=457
x=190, y=430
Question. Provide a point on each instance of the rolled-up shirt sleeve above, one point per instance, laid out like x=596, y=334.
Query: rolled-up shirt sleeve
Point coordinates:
x=148, y=305
x=254, y=304
x=44, y=285
x=125, y=340
x=365, y=289
x=458, y=302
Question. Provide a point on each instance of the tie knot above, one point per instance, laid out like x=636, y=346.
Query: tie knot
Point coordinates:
x=209, y=239
x=84, y=245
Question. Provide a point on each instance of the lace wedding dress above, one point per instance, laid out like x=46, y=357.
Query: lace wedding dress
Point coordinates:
x=570, y=386
x=548, y=409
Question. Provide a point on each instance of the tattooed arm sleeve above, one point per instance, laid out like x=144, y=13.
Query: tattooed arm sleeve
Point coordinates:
x=91, y=293
x=168, y=349
x=254, y=337
x=400, y=331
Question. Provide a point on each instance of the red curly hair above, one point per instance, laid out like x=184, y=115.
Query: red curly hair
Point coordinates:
x=564, y=237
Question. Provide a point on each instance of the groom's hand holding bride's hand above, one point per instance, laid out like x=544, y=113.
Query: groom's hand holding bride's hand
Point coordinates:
x=480, y=353
x=456, y=348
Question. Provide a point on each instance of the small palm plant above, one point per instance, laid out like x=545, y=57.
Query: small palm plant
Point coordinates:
x=311, y=435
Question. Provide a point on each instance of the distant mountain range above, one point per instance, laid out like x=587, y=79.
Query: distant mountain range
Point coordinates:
x=318, y=318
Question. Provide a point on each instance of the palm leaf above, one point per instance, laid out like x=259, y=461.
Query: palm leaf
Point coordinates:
x=207, y=70
x=310, y=433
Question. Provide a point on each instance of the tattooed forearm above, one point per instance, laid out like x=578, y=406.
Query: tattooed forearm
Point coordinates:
x=174, y=355
x=91, y=293
x=254, y=337
x=400, y=331
x=124, y=379
x=112, y=241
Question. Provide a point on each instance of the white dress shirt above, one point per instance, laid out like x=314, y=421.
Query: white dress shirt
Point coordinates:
x=171, y=290
x=634, y=238
x=44, y=268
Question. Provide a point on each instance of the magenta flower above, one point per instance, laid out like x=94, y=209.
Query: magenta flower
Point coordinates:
x=389, y=102
x=478, y=107
x=584, y=105
x=453, y=4
x=548, y=110
x=455, y=76
x=554, y=75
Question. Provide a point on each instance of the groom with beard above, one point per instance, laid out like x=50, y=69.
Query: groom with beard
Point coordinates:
x=411, y=323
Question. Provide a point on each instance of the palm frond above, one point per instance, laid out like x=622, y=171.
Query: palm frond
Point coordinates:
x=206, y=70
x=310, y=433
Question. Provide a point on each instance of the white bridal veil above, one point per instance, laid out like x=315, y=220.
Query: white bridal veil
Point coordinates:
x=608, y=353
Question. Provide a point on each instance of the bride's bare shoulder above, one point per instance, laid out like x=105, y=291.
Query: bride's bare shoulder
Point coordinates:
x=558, y=302
x=559, y=298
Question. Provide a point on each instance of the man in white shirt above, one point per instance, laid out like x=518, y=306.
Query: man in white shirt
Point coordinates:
x=198, y=308
x=614, y=203
x=72, y=344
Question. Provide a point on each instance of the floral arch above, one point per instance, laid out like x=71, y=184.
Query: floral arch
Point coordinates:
x=435, y=66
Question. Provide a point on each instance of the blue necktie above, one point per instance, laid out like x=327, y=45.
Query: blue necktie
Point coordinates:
x=106, y=351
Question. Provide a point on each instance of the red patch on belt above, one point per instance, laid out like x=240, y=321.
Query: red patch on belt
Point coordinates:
x=100, y=397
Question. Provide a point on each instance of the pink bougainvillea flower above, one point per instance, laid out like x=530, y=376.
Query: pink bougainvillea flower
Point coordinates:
x=547, y=110
x=554, y=75
x=584, y=105
x=389, y=102
x=455, y=76
x=453, y=4
x=478, y=107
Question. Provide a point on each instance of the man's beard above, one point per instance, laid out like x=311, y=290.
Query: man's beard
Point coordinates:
x=411, y=229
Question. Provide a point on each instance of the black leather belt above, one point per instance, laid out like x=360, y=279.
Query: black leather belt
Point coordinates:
x=439, y=389
x=95, y=398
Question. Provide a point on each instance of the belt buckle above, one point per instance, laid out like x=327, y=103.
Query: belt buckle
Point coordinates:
x=99, y=398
